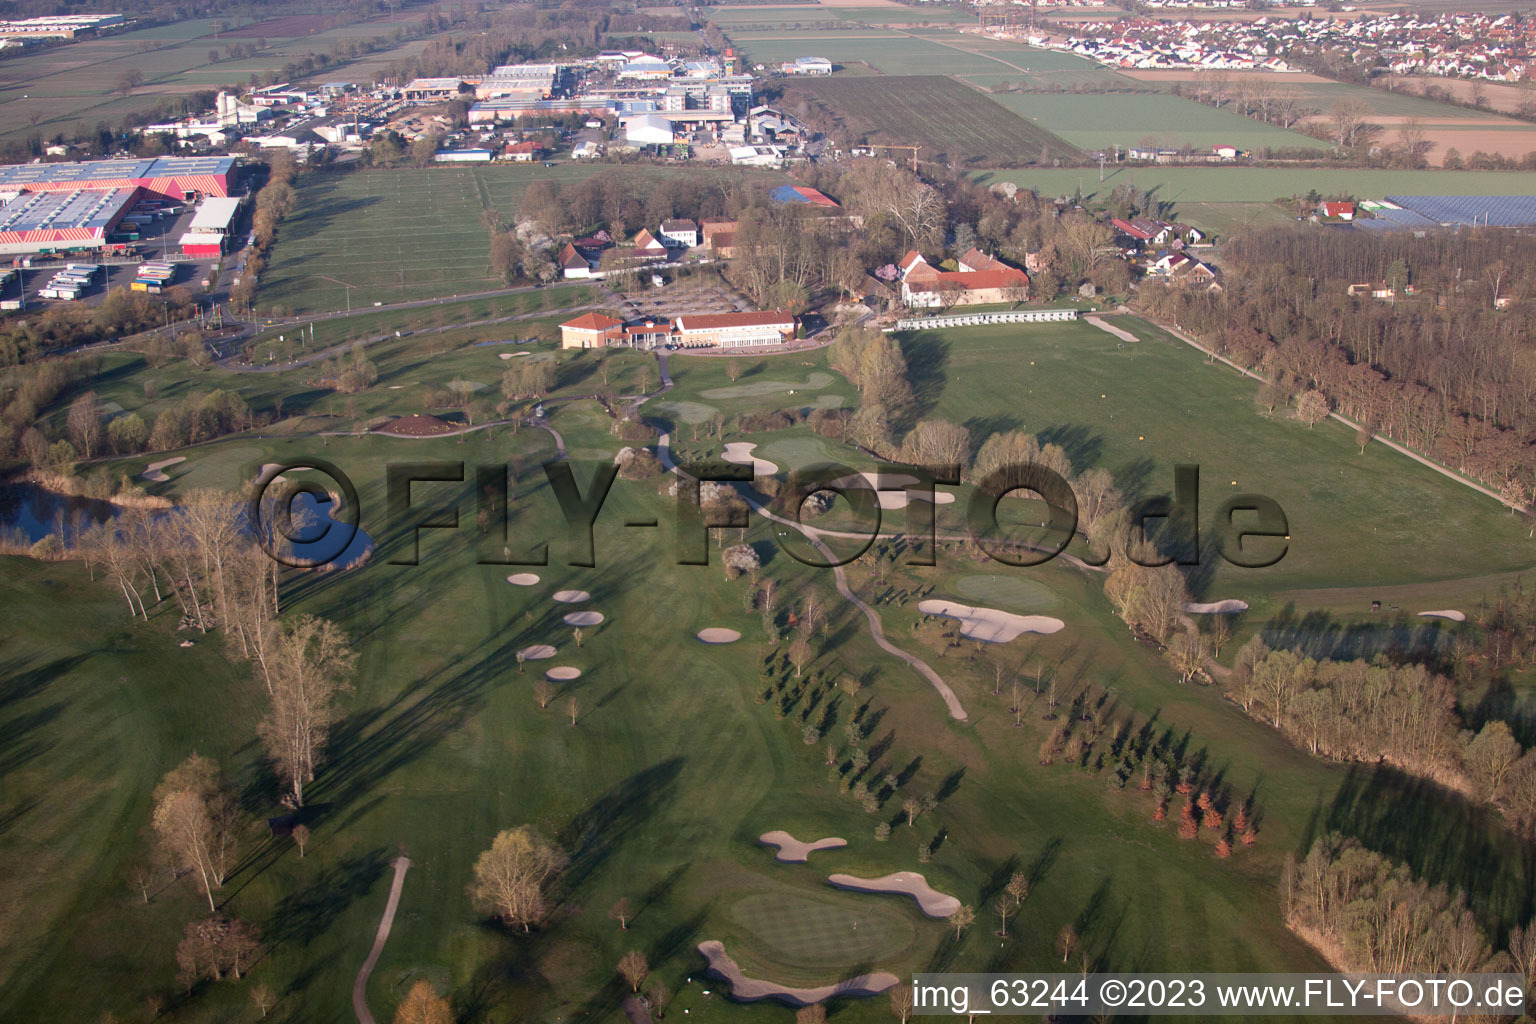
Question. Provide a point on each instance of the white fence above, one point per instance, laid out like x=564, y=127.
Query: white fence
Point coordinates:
x=1022, y=316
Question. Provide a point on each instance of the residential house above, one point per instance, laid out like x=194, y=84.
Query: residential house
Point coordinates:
x=524, y=152
x=681, y=231
x=648, y=244
x=1334, y=210
x=573, y=263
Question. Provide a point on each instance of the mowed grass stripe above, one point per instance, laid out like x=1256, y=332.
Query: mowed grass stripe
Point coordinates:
x=951, y=121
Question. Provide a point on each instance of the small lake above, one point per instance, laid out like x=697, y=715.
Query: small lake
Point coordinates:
x=38, y=512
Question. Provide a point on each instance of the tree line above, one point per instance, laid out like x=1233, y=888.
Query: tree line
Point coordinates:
x=1366, y=913
x=1405, y=715
x=1441, y=365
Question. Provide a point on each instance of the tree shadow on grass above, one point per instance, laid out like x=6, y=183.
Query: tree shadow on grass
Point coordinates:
x=927, y=359
x=303, y=915
x=1443, y=838
x=598, y=830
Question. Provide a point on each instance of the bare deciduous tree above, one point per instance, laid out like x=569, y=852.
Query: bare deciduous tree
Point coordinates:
x=311, y=660
x=633, y=968
x=512, y=876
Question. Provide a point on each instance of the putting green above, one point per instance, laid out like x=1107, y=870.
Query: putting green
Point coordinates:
x=1017, y=592
x=824, y=931
x=758, y=388
x=688, y=412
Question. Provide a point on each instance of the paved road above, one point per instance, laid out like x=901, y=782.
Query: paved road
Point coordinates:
x=360, y=986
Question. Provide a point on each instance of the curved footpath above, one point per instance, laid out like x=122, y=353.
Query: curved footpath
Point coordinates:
x=876, y=628
x=360, y=986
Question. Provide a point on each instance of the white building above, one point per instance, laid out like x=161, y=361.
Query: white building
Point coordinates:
x=648, y=130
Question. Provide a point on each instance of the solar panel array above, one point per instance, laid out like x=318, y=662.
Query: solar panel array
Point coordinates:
x=59, y=211
x=1471, y=211
x=22, y=175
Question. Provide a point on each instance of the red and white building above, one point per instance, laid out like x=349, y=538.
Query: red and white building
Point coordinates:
x=979, y=279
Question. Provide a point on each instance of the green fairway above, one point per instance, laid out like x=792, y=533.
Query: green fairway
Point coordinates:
x=1127, y=119
x=1138, y=409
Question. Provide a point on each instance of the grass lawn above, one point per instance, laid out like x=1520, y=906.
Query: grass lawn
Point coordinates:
x=1125, y=119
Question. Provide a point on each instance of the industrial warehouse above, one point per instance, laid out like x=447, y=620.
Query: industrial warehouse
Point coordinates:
x=73, y=207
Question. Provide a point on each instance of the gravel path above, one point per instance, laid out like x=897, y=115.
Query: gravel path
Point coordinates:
x=360, y=986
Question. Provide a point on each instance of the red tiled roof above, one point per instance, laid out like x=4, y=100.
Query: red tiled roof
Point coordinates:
x=977, y=280
x=592, y=322
x=911, y=259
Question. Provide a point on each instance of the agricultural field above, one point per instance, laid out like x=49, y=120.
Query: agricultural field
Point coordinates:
x=1129, y=119
x=729, y=15
x=78, y=82
x=951, y=121
x=403, y=233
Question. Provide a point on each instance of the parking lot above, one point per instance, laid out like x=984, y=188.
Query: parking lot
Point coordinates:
x=694, y=294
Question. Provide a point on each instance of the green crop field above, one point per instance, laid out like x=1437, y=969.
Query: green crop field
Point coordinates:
x=675, y=764
x=1128, y=119
x=951, y=121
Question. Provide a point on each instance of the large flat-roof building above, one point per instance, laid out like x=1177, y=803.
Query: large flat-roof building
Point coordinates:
x=179, y=178
x=61, y=220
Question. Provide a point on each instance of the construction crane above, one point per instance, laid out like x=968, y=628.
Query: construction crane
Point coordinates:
x=914, y=150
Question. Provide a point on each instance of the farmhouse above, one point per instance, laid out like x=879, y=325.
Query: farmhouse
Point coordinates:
x=682, y=232
x=720, y=237
x=980, y=279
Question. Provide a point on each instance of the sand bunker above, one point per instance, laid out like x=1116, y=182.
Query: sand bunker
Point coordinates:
x=156, y=470
x=894, y=500
x=792, y=850
x=571, y=596
x=523, y=579
x=740, y=452
x=538, y=652
x=718, y=635
x=1445, y=613
x=583, y=618
x=990, y=625
x=512, y=355
x=1227, y=607
x=904, y=883
x=1109, y=328
x=745, y=989
x=563, y=673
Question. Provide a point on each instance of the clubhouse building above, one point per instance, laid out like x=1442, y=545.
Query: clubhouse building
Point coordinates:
x=687, y=330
